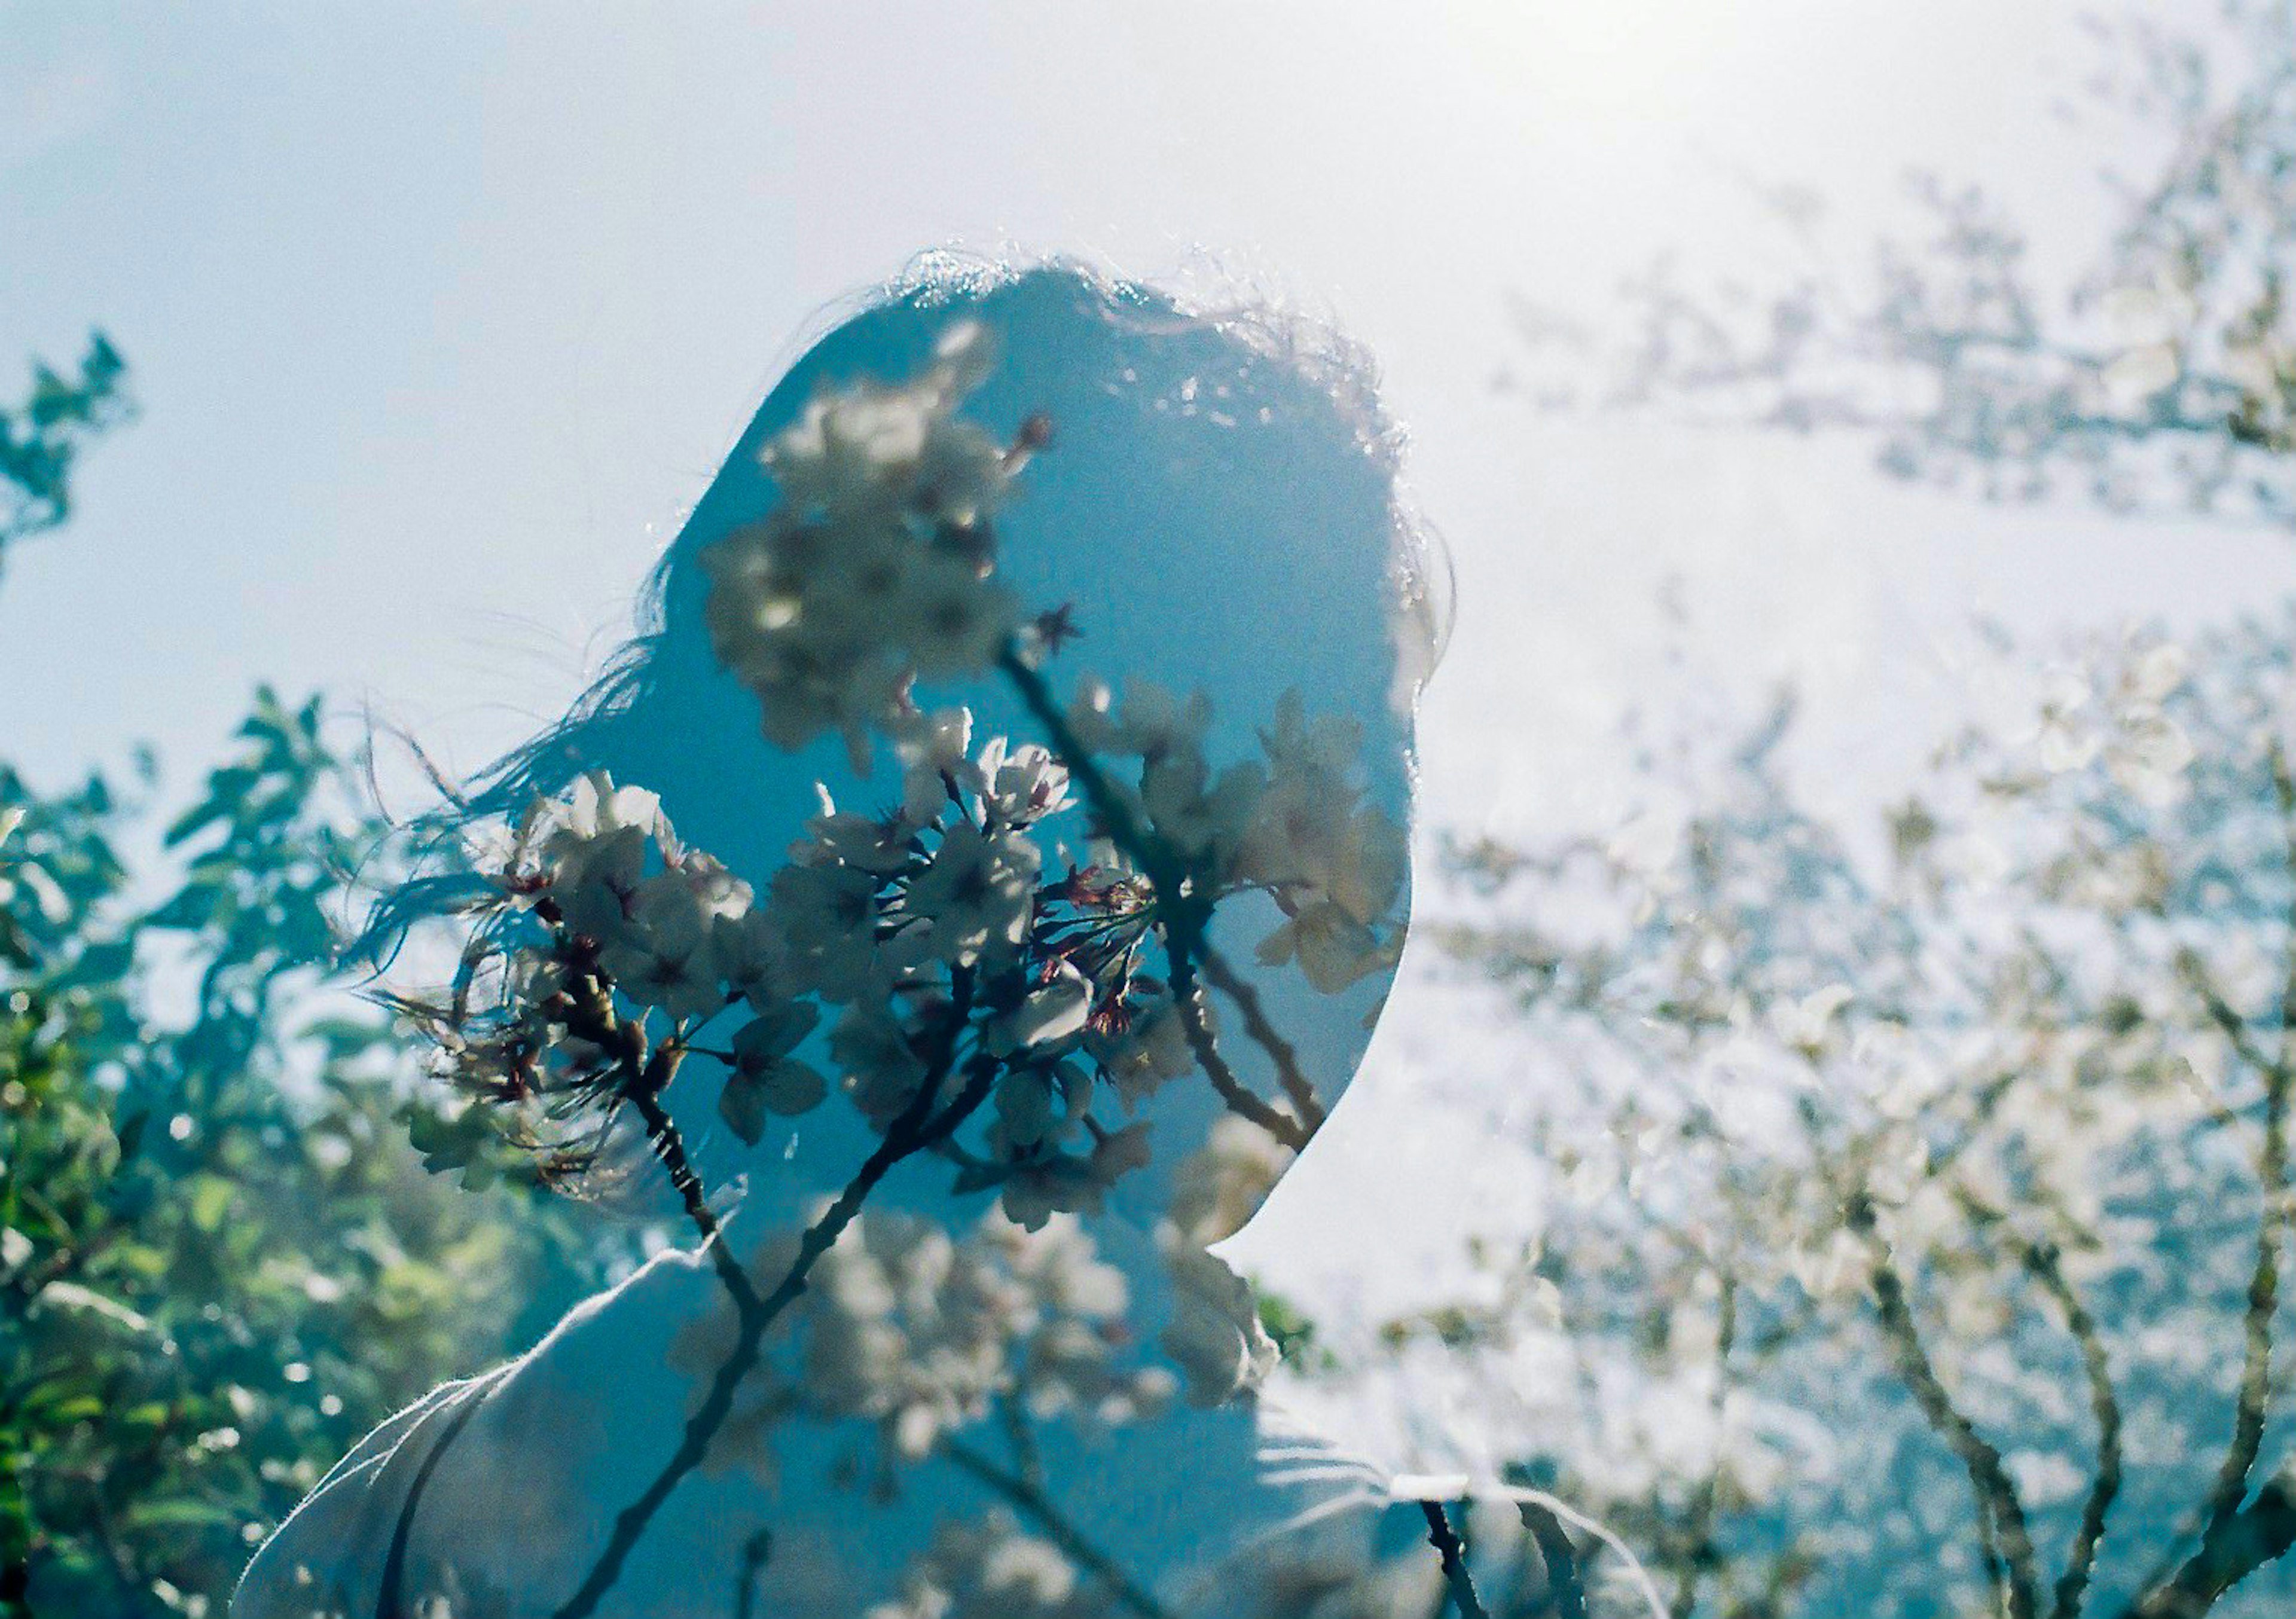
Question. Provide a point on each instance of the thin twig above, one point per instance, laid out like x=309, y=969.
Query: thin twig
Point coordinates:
x=2104, y=1407
x=754, y=1555
x=1188, y=998
x=2272, y=1176
x=668, y=1146
x=1448, y=1546
x=2043, y=1260
x=1032, y=1501
x=2272, y=1225
x=1280, y=1051
x=1183, y=908
x=1011, y=1413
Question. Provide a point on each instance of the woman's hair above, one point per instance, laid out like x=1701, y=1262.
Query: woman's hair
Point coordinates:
x=1183, y=438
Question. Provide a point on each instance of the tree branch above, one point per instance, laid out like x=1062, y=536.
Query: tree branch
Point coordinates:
x=1566, y=1589
x=1264, y=1033
x=2001, y=1518
x=1446, y=1542
x=1187, y=996
x=2233, y=1549
x=1183, y=908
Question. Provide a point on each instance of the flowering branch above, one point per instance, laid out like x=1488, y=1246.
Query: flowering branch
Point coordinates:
x=875, y=571
x=2043, y=1260
x=1182, y=907
x=1189, y=999
x=918, y=1129
x=2271, y=1231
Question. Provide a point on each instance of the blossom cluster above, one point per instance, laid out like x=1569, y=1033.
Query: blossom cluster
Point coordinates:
x=877, y=566
x=928, y=938
x=1293, y=824
x=610, y=943
x=991, y=1568
x=923, y=1334
x=1982, y=1126
x=998, y=965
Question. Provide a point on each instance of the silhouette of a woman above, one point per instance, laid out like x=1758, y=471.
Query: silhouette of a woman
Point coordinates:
x=1084, y=991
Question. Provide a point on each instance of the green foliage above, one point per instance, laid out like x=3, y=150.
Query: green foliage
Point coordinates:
x=220, y=1264
x=1293, y=1330
x=40, y=440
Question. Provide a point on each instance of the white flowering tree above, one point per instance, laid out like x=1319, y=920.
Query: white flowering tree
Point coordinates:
x=2159, y=374
x=1918, y=1248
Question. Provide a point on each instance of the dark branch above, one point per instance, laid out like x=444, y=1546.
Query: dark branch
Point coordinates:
x=2233, y=1548
x=1264, y=1033
x=2001, y=1517
x=1446, y=1542
x=1566, y=1587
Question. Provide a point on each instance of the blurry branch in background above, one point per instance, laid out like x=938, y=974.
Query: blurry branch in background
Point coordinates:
x=2161, y=375
x=1917, y=1236
x=1943, y=1164
x=40, y=440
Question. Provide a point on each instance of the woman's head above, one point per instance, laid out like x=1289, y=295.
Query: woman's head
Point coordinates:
x=1208, y=516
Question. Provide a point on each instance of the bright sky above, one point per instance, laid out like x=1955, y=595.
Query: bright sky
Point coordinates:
x=440, y=314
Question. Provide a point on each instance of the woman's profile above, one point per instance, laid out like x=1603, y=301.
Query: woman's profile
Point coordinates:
x=962, y=902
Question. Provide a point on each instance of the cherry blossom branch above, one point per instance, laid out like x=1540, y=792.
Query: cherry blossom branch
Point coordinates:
x=2255, y=1394
x=1188, y=999
x=916, y=1129
x=670, y=1147
x=1039, y=1507
x=1446, y=1542
x=2042, y=1262
x=1166, y=872
x=1182, y=911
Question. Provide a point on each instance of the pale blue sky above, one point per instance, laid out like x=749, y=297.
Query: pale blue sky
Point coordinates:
x=440, y=314
x=439, y=318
